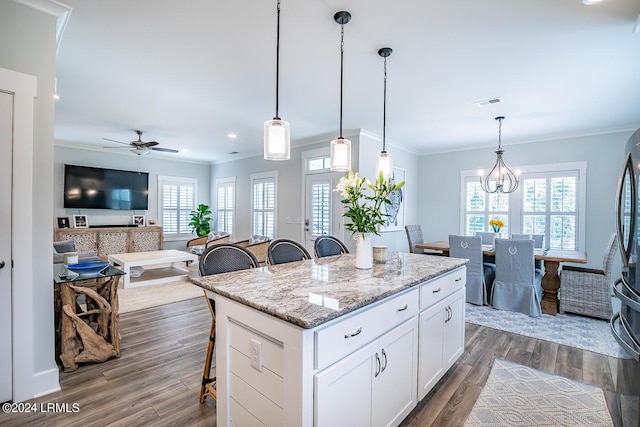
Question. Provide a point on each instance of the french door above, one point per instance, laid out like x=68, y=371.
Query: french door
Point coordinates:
x=323, y=209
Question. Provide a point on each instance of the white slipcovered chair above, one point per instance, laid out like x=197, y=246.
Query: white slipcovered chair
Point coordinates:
x=518, y=284
x=479, y=275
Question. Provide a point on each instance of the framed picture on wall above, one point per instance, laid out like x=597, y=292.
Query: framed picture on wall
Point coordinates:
x=63, y=222
x=80, y=221
x=395, y=209
x=138, y=220
x=152, y=221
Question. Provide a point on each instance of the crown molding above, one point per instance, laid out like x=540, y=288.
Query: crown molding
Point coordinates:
x=54, y=8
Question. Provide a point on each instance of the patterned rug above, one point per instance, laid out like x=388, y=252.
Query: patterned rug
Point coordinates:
x=154, y=295
x=516, y=395
x=567, y=329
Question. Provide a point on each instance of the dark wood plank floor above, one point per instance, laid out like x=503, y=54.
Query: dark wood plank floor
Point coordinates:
x=157, y=379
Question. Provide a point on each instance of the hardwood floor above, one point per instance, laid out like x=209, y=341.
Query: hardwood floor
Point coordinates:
x=156, y=381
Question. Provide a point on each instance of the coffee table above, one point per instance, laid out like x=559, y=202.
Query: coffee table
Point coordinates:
x=155, y=275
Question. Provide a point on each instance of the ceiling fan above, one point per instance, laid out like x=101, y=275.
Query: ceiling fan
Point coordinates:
x=140, y=147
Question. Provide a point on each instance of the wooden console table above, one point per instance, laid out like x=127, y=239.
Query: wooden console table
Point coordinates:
x=86, y=331
x=112, y=240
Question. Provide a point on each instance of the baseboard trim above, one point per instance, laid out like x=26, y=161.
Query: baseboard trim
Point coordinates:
x=46, y=382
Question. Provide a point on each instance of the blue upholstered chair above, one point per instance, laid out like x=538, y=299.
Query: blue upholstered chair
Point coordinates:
x=518, y=284
x=281, y=251
x=216, y=259
x=328, y=246
x=479, y=274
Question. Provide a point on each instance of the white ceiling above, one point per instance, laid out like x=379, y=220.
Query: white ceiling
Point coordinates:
x=187, y=73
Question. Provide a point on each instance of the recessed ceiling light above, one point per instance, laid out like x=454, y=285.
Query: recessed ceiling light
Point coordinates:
x=184, y=150
x=590, y=2
x=491, y=101
x=232, y=135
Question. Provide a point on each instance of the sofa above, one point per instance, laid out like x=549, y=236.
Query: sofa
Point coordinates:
x=65, y=246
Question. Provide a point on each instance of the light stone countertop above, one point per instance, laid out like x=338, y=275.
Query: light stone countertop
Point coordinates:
x=309, y=293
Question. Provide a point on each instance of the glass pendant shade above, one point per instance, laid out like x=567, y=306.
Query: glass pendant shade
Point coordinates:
x=276, y=140
x=340, y=155
x=385, y=165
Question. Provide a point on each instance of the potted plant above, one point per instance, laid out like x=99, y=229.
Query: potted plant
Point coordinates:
x=200, y=220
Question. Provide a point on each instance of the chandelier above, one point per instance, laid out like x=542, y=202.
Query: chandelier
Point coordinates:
x=500, y=179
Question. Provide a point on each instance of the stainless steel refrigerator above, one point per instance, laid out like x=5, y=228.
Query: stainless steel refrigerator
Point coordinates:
x=625, y=325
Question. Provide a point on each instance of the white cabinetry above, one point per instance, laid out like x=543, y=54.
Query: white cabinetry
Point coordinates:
x=375, y=386
x=441, y=340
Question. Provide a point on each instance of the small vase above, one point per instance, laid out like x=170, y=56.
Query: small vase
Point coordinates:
x=364, y=254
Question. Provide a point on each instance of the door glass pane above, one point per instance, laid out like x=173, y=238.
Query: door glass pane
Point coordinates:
x=320, y=208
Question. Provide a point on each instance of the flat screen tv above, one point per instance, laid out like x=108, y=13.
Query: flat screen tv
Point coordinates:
x=96, y=188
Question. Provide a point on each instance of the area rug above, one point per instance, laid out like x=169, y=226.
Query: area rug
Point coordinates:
x=567, y=329
x=133, y=299
x=516, y=395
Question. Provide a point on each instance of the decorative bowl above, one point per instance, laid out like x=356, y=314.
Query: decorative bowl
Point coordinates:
x=88, y=267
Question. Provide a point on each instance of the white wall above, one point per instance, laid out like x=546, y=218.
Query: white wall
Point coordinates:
x=126, y=161
x=28, y=46
x=439, y=186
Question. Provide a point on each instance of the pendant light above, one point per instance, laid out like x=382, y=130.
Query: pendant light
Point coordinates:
x=385, y=164
x=341, y=148
x=500, y=179
x=276, y=131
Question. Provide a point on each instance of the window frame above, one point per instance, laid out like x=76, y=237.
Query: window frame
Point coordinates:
x=167, y=180
x=228, y=181
x=262, y=176
x=515, y=198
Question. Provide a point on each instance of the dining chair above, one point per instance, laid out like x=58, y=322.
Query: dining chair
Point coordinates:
x=538, y=243
x=487, y=238
x=588, y=291
x=480, y=275
x=414, y=237
x=281, y=251
x=518, y=284
x=328, y=246
x=216, y=259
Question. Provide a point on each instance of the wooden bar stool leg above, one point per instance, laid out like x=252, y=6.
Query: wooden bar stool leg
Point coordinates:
x=208, y=387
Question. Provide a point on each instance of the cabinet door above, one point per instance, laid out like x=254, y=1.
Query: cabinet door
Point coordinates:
x=395, y=387
x=343, y=390
x=431, y=330
x=453, y=344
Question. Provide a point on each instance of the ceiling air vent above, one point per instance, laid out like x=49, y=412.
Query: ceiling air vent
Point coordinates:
x=486, y=102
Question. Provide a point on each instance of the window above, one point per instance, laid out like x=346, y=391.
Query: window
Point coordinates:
x=176, y=201
x=550, y=200
x=225, y=212
x=263, y=203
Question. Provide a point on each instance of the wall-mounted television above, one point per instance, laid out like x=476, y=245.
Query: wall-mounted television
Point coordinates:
x=96, y=188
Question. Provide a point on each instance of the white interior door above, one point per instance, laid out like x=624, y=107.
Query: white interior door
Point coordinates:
x=6, y=143
x=323, y=209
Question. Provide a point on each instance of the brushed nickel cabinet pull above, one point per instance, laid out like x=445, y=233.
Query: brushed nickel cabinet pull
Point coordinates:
x=458, y=279
x=384, y=366
x=378, y=365
x=353, y=334
x=436, y=291
x=403, y=308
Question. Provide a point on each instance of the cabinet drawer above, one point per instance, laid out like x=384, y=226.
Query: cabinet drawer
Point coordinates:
x=349, y=334
x=435, y=290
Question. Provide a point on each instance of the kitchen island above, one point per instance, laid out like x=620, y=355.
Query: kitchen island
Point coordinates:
x=319, y=342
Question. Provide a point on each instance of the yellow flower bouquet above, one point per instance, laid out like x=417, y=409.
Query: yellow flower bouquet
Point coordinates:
x=496, y=224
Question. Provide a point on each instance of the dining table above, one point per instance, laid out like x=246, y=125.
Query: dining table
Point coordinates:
x=551, y=258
